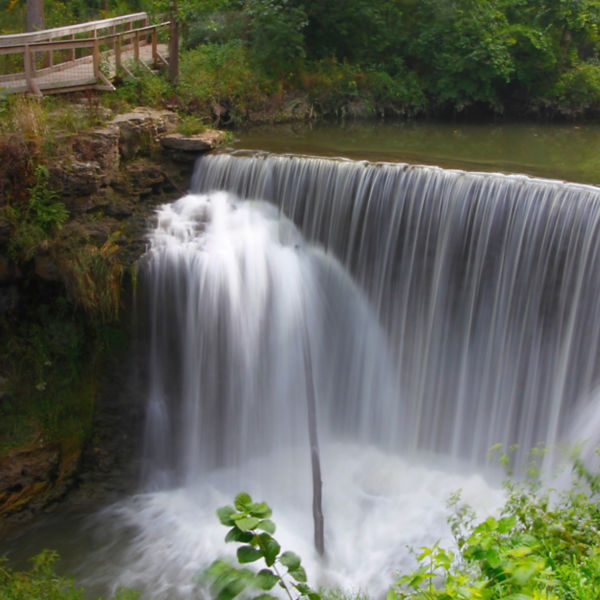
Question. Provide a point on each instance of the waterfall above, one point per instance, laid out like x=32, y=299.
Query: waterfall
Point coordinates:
x=447, y=312
x=486, y=287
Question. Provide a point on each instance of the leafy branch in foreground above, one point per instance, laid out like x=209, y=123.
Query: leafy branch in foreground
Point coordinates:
x=539, y=548
x=251, y=527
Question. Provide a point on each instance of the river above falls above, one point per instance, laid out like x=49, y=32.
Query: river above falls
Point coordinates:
x=557, y=151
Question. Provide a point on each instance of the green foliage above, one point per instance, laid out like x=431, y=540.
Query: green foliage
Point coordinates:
x=537, y=549
x=249, y=525
x=147, y=89
x=34, y=222
x=92, y=276
x=218, y=82
x=51, y=359
x=42, y=582
x=190, y=125
x=276, y=35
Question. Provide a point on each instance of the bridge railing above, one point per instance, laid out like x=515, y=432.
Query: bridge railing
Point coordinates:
x=88, y=54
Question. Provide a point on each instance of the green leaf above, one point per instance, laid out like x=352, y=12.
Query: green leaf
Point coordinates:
x=248, y=554
x=247, y=523
x=267, y=525
x=391, y=594
x=242, y=502
x=270, y=546
x=260, y=510
x=265, y=597
x=237, y=535
x=231, y=590
x=266, y=579
x=224, y=513
x=303, y=588
x=298, y=574
x=290, y=560
x=506, y=524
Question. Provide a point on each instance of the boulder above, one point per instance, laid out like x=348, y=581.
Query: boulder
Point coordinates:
x=76, y=179
x=139, y=130
x=199, y=142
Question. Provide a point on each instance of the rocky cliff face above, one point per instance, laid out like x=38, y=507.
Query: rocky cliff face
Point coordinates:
x=110, y=180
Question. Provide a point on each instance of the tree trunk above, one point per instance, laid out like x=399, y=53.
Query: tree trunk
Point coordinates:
x=35, y=15
x=174, y=45
x=314, y=445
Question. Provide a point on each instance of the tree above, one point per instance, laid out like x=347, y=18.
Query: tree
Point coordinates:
x=35, y=15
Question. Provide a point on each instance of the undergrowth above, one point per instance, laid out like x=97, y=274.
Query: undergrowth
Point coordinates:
x=42, y=582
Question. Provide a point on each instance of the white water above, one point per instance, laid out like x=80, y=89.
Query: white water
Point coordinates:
x=231, y=287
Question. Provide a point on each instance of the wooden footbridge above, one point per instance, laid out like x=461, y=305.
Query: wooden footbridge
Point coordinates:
x=80, y=57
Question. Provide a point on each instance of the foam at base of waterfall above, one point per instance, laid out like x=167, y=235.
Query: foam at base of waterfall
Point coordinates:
x=377, y=506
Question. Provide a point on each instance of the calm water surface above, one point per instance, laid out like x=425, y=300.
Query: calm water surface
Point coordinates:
x=566, y=151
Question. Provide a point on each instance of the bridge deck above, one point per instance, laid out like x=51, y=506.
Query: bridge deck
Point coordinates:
x=55, y=60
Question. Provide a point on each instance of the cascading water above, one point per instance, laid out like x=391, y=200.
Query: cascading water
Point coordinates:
x=446, y=312
x=486, y=286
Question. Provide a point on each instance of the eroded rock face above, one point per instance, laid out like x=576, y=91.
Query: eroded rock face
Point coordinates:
x=140, y=129
x=36, y=476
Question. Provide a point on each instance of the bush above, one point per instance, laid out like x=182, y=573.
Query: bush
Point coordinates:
x=217, y=82
x=41, y=581
x=536, y=549
x=578, y=90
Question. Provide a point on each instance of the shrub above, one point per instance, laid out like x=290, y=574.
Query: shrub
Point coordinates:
x=217, y=82
x=41, y=581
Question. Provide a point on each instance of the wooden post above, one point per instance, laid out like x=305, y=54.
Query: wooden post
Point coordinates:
x=155, y=48
x=174, y=45
x=72, y=50
x=96, y=59
x=118, y=65
x=136, y=46
x=314, y=444
x=29, y=68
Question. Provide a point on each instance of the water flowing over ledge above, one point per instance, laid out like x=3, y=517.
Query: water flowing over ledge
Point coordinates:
x=486, y=286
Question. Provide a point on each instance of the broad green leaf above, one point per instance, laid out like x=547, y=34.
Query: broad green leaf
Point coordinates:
x=506, y=524
x=248, y=554
x=267, y=525
x=298, y=574
x=231, y=590
x=225, y=513
x=270, y=546
x=290, y=560
x=237, y=535
x=260, y=510
x=242, y=502
x=519, y=551
x=266, y=579
x=265, y=597
x=247, y=523
x=391, y=594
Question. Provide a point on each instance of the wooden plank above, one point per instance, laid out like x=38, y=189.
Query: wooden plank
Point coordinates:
x=17, y=39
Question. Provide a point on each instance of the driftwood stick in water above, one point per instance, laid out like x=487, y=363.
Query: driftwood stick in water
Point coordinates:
x=314, y=445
